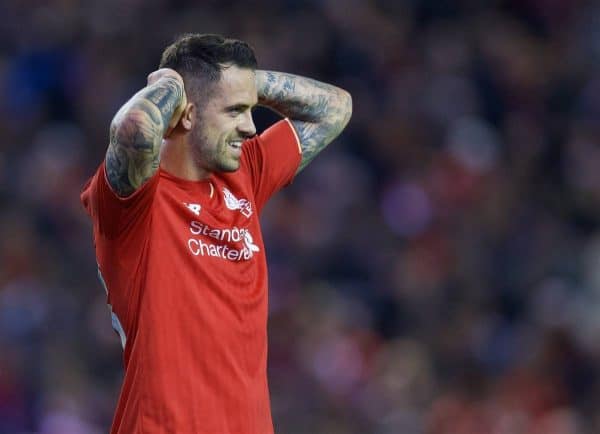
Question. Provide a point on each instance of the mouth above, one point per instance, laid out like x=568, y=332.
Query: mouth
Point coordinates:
x=236, y=145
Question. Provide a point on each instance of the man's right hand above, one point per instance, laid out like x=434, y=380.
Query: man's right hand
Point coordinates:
x=153, y=77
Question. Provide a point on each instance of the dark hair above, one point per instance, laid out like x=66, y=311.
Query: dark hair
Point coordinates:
x=200, y=59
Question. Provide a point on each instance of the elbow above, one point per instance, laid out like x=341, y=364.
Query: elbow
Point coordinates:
x=126, y=126
x=345, y=106
x=348, y=104
x=123, y=128
x=131, y=117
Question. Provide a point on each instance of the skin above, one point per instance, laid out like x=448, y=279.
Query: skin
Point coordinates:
x=318, y=111
x=137, y=130
x=192, y=139
x=226, y=118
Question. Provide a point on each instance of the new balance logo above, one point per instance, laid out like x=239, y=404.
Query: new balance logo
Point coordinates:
x=193, y=207
x=233, y=203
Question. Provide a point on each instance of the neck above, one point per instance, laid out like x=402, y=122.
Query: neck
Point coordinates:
x=177, y=158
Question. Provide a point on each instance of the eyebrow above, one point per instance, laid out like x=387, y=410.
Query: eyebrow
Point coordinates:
x=240, y=107
x=237, y=107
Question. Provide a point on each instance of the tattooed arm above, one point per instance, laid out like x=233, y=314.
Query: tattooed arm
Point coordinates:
x=318, y=111
x=137, y=130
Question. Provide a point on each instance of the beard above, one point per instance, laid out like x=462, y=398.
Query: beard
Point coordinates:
x=211, y=156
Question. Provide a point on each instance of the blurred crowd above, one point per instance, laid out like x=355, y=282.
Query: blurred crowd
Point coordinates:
x=435, y=271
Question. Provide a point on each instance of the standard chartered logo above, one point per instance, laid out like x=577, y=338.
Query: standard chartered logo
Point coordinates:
x=239, y=242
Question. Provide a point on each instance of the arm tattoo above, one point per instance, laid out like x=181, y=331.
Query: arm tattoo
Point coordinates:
x=136, y=134
x=318, y=111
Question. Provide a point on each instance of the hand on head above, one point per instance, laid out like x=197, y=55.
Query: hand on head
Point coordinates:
x=153, y=77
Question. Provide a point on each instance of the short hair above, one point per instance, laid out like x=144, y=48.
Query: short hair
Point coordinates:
x=201, y=58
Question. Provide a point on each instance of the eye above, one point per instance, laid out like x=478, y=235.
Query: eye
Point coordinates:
x=235, y=111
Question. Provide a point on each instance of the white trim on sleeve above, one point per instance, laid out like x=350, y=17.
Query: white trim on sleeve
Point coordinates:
x=295, y=135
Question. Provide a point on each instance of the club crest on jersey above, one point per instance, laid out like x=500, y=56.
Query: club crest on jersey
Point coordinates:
x=233, y=203
x=193, y=207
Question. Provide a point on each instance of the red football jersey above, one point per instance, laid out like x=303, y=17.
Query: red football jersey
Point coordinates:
x=184, y=267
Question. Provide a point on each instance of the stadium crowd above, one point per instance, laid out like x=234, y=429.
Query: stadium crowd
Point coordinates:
x=435, y=271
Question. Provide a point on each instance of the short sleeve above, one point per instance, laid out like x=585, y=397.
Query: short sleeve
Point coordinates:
x=273, y=159
x=112, y=214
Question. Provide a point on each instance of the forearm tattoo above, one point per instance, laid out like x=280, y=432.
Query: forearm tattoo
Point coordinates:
x=318, y=111
x=136, y=135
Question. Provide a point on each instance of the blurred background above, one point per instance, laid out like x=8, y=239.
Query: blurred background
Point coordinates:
x=435, y=271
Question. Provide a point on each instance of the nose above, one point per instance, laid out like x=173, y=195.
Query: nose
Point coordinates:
x=246, y=126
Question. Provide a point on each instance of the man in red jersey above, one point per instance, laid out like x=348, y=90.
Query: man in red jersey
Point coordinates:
x=175, y=208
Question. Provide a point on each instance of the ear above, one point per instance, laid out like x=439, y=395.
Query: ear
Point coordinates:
x=188, y=116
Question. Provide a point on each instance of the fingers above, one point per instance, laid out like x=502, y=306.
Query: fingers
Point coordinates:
x=177, y=114
x=154, y=76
